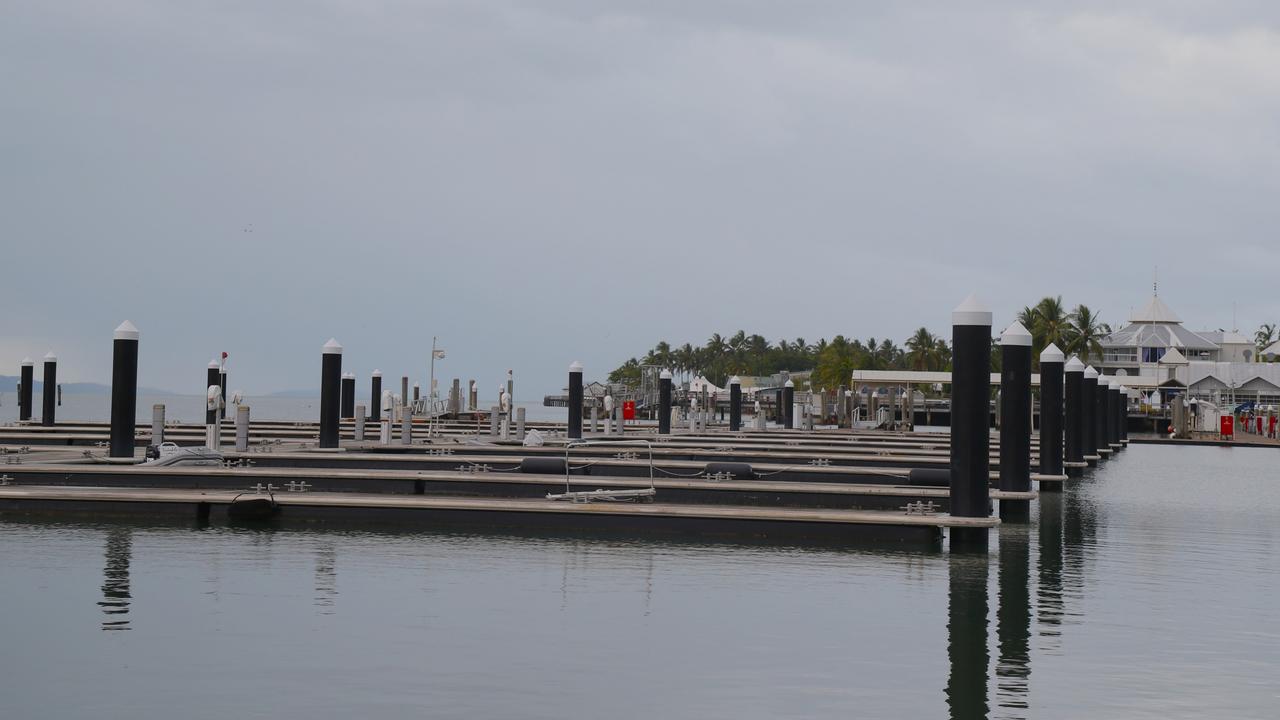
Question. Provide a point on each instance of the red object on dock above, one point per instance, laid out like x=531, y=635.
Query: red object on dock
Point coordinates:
x=1227, y=427
x=628, y=409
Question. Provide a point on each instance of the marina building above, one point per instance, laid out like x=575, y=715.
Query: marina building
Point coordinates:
x=1217, y=365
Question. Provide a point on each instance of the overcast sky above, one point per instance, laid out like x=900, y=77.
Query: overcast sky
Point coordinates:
x=543, y=182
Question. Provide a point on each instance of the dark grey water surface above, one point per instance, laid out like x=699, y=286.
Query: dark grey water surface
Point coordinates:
x=1149, y=589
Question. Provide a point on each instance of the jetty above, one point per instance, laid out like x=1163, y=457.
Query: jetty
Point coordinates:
x=702, y=469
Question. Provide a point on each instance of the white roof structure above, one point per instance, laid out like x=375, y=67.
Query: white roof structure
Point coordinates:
x=700, y=383
x=1157, y=326
x=1241, y=377
x=1272, y=350
x=1225, y=337
x=1173, y=357
x=1155, y=312
x=873, y=378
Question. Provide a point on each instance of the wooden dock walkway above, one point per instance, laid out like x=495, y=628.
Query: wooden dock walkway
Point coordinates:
x=703, y=520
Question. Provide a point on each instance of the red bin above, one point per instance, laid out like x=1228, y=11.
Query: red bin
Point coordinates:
x=1227, y=428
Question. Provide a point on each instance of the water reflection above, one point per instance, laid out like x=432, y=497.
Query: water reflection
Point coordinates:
x=115, y=580
x=1049, y=606
x=967, y=636
x=1013, y=621
x=326, y=577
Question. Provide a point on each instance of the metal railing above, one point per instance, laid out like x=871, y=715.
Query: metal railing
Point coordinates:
x=644, y=495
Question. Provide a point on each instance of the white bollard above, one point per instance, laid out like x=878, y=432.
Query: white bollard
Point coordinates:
x=384, y=430
x=242, y=428
x=359, y=432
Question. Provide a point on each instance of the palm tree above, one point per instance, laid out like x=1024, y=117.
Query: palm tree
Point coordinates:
x=662, y=354
x=920, y=349
x=1048, y=322
x=941, y=354
x=684, y=360
x=1053, y=323
x=1086, y=333
x=1265, y=336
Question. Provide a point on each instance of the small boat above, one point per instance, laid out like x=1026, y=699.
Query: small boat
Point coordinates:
x=169, y=454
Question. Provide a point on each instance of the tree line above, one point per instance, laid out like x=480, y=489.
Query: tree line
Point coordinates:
x=1078, y=331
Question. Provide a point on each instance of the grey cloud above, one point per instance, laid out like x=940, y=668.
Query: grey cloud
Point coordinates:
x=543, y=182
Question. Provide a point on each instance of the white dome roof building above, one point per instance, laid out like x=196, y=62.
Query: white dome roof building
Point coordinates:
x=1216, y=365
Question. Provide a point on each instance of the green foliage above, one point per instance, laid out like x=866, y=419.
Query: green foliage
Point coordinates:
x=1079, y=331
x=1265, y=336
x=832, y=362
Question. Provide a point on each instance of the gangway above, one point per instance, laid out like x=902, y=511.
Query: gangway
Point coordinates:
x=600, y=495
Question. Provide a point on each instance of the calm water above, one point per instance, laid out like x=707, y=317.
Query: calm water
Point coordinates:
x=1148, y=590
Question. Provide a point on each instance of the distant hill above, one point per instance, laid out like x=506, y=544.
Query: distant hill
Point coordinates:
x=9, y=383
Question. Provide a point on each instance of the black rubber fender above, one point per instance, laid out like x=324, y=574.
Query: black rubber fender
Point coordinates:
x=542, y=465
x=739, y=470
x=930, y=476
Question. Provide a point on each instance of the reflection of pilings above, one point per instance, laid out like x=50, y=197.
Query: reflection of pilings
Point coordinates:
x=967, y=637
x=115, y=580
x=1013, y=617
x=1049, y=593
x=326, y=575
x=1079, y=529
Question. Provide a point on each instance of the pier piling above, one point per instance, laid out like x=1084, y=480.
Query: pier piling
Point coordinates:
x=50, y=389
x=574, y=431
x=664, y=402
x=1073, y=424
x=1088, y=411
x=242, y=428
x=157, y=424
x=1101, y=418
x=348, y=410
x=1051, y=362
x=211, y=379
x=735, y=403
x=1124, y=415
x=788, y=404
x=970, y=419
x=330, y=389
x=375, y=396
x=27, y=379
x=1015, y=427
x=124, y=389
x=1113, y=418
